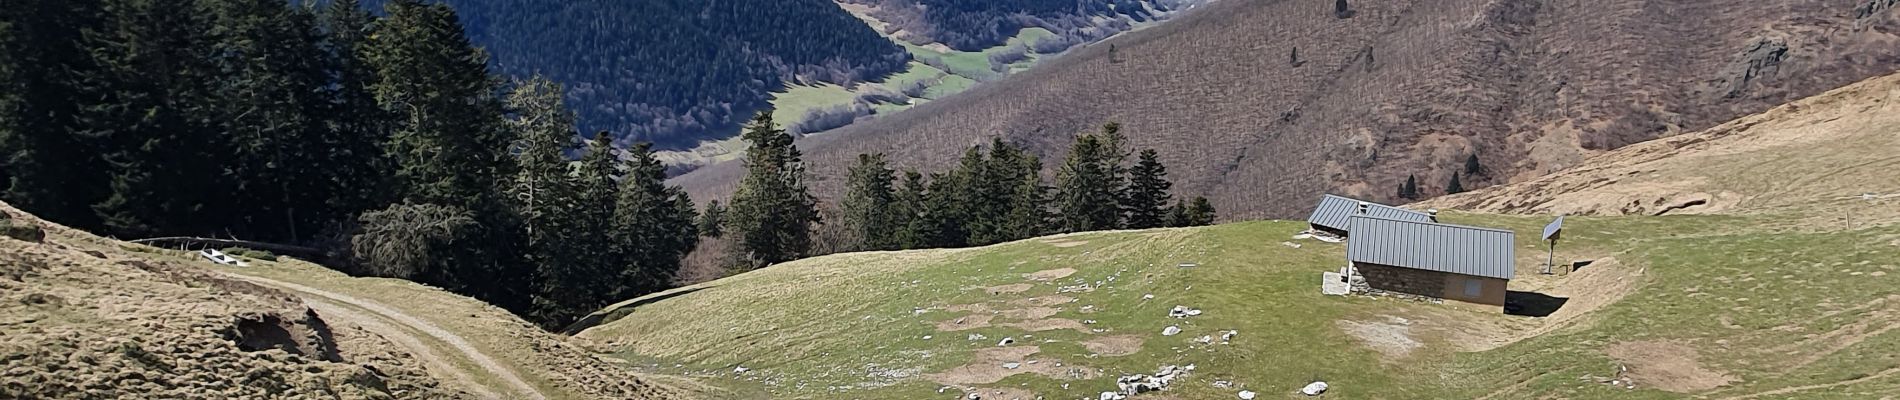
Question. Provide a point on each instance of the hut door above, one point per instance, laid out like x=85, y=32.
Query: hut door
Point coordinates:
x=1473, y=288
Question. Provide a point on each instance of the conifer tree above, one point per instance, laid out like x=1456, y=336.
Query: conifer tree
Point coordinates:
x=653, y=225
x=270, y=89
x=1147, y=199
x=542, y=194
x=1200, y=212
x=157, y=118
x=910, y=210
x=446, y=145
x=1029, y=214
x=1178, y=214
x=1086, y=188
x=772, y=211
x=1454, y=187
x=356, y=124
x=47, y=71
x=868, y=205
x=712, y=222
x=943, y=224
x=1409, y=189
x=1472, y=167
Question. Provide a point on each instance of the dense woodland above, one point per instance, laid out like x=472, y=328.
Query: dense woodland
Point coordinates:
x=674, y=72
x=383, y=139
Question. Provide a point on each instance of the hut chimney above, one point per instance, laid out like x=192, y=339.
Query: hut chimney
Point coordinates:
x=1364, y=208
x=1433, y=213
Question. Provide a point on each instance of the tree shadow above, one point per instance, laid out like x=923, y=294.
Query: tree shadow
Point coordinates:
x=1532, y=304
x=604, y=317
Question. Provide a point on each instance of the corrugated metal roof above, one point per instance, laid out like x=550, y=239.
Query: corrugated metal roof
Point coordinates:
x=1430, y=246
x=1333, y=212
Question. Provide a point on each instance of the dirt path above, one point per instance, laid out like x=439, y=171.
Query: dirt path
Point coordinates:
x=327, y=303
x=337, y=314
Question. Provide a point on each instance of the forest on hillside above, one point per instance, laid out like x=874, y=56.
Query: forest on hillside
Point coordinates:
x=675, y=72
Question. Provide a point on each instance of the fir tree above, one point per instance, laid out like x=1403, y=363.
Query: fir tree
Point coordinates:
x=1409, y=189
x=1454, y=187
x=157, y=118
x=653, y=226
x=712, y=222
x=772, y=211
x=357, y=126
x=1178, y=214
x=542, y=193
x=1472, y=167
x=47, y=75
x=910, y=210
x=1086, y=187
x=446, y=143
x=867, y=205
x=1200, y=212
x=1147, y=199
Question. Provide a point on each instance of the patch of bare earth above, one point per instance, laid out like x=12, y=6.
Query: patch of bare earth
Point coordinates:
x=1005, y=394
x=1049, y=324
x=1118, y=345
x=1666, y=365
x=1391, y=337
x=1030, y=313
x=991, y=365
x=971, y=321
x=1050, y=275
x=1047, y=301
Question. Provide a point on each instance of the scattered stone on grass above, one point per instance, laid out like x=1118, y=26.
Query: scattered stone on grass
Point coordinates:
x=1171, y=331
x=1247, y=395
x=1314, y=389
x=1183, y=312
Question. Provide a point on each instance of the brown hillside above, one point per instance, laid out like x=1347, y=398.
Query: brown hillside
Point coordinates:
x=1831, y=156
x=83, y=317
x=1402, y=87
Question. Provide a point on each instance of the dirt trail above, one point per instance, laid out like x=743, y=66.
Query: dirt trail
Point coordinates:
x=339, y=314
x=322, y=299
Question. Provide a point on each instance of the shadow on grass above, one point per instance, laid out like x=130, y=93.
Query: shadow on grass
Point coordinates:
x=604, y=317
x=1532, y=304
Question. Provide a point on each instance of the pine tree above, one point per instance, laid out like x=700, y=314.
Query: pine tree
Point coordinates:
x=1147, y=199
x=712, y=222
x=996, y=195
x=910, y=210
x=542, y=194
x=446, y=145
x=1454, y=187
x=153, y=110
x=1472, y=167
x=867, y=205
x=653, y=225
x=1409, y=190
x=1200, y=212
x=47, y=75
x=1086, y=190
x=270, y=89
x=1341, y=10
x=1029, y=214
x=356, y=125
x=943, y=224
x=1116, y=150
x=1178, y=214
x=772, y=211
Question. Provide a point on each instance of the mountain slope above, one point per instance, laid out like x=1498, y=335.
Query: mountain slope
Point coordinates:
x=1399, y=88
x=86, y=317
x=1773, y=297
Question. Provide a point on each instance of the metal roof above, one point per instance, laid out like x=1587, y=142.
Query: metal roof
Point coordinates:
x=1431, y=246
x=1334, y=211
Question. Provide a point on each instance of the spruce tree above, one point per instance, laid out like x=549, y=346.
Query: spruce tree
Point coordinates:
x=943, y=224
x=270, y=89
x=1200, y=212
x=1006, y=175
x=712, y=222
x=1472, y=167
x=653, y=225
x=1086, y=188
x=1454, y=187
x=153, y=108
x=1178, y=214
x=1147, y=198
x=1409, y=190
x=772, y=211
x=446, y=145
x=358, y=172
x=910, y=212
x=542, y=194
x=868, y=205
x=48, y=76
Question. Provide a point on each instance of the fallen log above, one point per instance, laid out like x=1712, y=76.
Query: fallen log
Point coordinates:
x=307, y=253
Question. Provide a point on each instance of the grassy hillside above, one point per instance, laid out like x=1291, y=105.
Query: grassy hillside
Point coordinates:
x=1782, y=281
x=1739, y=299
x=1401, y=88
